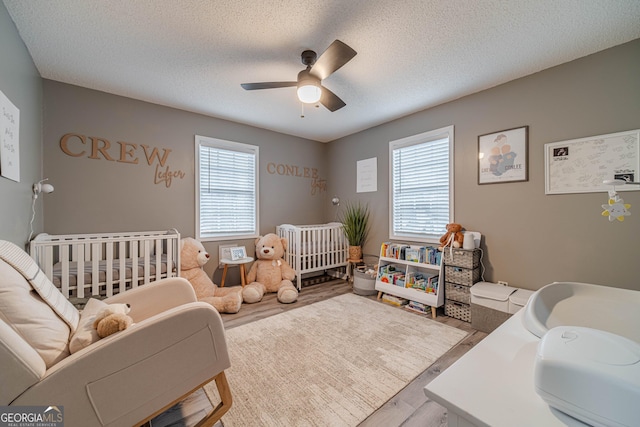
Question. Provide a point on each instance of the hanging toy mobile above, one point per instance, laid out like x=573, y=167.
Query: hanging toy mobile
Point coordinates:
x=616, y=208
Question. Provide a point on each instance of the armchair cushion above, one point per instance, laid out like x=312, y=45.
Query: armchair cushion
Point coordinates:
x=26, y=313
x=28, y=268
x=85, y=333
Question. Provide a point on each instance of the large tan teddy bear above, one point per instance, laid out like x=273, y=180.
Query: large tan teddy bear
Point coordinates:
x=192, y=257
x=270, y=272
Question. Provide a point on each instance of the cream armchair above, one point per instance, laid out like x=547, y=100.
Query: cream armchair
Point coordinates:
x=175, y=346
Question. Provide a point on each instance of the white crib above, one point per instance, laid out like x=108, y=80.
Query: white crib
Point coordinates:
x=110, y=262
x=312, y=248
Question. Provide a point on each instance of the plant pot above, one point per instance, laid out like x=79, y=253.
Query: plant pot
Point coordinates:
x=355, y=253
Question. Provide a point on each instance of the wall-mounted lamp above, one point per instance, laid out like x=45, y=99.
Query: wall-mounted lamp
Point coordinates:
x=39, y=187
x=335, y=202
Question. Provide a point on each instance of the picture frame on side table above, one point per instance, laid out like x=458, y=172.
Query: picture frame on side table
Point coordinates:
x=504, y=156
x=238, y=252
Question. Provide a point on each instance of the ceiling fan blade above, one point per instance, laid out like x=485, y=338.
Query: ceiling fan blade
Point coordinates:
x=336, y=55
x=331, y=100
x=267, y=85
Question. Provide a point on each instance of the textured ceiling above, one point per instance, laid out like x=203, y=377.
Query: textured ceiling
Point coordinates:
x=412, y=54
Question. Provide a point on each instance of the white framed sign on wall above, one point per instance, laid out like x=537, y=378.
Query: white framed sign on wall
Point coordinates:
x=582, y=165
x=9, y=139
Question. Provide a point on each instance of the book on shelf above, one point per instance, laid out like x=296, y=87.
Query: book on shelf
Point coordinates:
x=394, y=300
x=419, y=254
x=418, y=307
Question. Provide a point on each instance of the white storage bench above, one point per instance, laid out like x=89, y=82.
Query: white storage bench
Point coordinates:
x=492, y=304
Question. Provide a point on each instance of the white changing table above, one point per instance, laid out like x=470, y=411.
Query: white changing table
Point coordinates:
x=492, y=384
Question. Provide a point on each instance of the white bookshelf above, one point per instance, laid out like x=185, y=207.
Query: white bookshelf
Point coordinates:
x=433, y=300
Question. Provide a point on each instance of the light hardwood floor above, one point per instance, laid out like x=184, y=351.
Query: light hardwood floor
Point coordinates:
x=410, y=407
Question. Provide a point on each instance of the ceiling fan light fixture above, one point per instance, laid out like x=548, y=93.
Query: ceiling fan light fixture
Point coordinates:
x=309, y=81
x=309, y=93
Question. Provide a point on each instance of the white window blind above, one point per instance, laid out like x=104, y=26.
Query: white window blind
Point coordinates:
x=421, y=185
x=227, y=189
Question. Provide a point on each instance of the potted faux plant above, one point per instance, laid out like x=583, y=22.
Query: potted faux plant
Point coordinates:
x=355, y=221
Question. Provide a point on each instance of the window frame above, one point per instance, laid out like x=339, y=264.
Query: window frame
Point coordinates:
x=425, y=137
x=231, y=146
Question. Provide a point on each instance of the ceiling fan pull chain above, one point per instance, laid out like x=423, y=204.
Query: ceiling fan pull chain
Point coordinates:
x=302, y=110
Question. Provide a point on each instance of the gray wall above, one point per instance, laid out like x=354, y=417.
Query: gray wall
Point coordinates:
x=107, y=192
x=529, y=238
x=21, y=83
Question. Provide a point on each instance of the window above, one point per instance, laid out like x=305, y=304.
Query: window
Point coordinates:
x=421, y=185
x=226, y=189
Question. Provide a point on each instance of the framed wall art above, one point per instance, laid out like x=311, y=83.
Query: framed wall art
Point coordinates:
x=9, y=139
x=504, y=156
x=581, y=165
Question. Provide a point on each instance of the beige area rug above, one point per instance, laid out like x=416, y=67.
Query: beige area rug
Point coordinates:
x=331, y=363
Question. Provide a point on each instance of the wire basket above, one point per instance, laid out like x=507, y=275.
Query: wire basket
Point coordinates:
x=456, y=292
x=461, y=276
x=464, y=258
x=458, y=310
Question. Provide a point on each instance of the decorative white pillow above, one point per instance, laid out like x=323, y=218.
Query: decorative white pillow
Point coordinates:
x=28, y=268
x=85, y=334
x=22, y=308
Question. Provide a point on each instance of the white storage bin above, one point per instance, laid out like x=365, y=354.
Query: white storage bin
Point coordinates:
x=491, y=295
x=519, y=299
x=489, y=305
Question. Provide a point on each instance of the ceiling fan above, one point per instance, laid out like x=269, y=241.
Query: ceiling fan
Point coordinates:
x=309, y=83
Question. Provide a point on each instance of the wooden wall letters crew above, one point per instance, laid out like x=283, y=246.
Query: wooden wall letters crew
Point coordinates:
x=76, y=145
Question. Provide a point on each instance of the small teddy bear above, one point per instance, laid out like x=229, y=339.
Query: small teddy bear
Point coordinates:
x=193, y=256
x=111, y=319
x=270, y=272
x=453, y=237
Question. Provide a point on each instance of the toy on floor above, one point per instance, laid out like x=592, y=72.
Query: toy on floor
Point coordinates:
x=193, y=256
x=111, y=319
x=270, y=272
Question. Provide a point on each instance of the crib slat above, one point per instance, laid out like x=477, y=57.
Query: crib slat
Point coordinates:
x=158, y=258
x=64, y=274
x=95, y=269
x=122, y=268
x=134, y=264
x=48, y=262
x=80, y=274
x=170, y=257
x=108, y=282
x=146, y=257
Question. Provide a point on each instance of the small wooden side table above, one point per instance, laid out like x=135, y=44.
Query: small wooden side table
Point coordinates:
x=241, y=262
x=351, y=266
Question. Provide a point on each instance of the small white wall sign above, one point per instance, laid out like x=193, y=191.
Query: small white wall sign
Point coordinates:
x=367, y=175
x=9, y=139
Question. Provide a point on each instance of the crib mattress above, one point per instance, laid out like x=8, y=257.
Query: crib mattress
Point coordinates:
x=102, y=271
